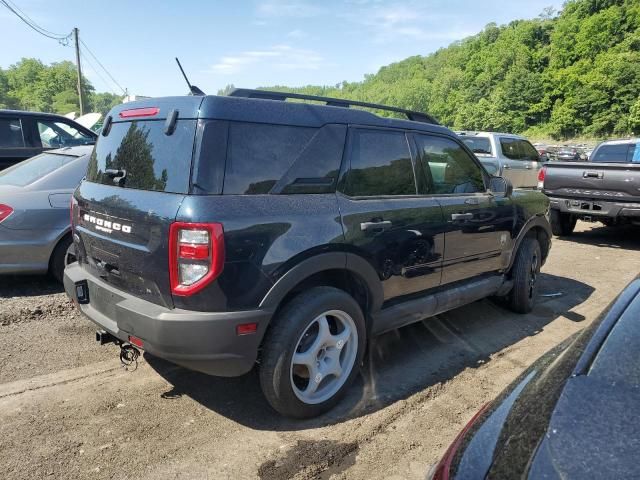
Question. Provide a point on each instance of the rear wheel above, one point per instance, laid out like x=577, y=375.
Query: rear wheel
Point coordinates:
x=525, y=274
x=562, y=224
x=312, y=352
x=63, y=255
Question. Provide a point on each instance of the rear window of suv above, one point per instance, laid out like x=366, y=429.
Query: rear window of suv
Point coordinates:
x=616, y=153
x=152, y=160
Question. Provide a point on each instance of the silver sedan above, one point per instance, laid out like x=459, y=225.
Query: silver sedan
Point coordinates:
x=35, y=234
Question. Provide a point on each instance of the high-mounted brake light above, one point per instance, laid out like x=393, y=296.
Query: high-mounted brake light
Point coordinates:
x=196, y=256
x=5, y=211
x=139, y=112
x=541, y=174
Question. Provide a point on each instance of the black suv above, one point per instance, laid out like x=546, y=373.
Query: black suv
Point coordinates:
x=220, y=232
x=26, y=134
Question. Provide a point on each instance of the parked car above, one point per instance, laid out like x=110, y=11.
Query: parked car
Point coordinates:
x=26, y=134
x=568, y=154
x=217, y=231
x=603, y=189
x=510, y=156
x=35, y=231
x=571, y=415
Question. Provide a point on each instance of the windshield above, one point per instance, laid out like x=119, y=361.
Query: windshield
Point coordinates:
x=478, y=144
x=27, y=172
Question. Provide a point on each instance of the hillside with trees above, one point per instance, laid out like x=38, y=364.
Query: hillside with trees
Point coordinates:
x=576, y=73
x=32, y=85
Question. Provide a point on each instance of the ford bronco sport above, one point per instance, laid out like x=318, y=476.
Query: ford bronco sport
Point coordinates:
x=220, y=232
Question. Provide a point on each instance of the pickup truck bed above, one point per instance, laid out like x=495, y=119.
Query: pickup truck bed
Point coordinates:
x=606, y=192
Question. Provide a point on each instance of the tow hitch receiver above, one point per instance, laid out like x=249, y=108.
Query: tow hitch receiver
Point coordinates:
x=103, y=338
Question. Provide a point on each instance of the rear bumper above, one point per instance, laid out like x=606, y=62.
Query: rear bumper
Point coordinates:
x=596, y=208
x=202, y=341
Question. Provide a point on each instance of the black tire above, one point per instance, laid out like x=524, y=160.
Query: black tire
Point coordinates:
x=525, y=274
x=562, y=224
x=281, y=341
x=58, y=258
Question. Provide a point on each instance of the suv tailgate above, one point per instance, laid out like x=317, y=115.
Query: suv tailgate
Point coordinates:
x=137, y=178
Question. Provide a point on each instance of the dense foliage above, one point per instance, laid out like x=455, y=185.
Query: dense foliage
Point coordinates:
x=566, y=75
x=32, y=85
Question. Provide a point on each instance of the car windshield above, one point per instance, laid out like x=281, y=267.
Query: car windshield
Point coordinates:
x=478, y=144
x=33, y=169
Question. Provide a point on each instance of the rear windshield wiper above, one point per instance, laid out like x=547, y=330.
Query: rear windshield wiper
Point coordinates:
x=118, y=175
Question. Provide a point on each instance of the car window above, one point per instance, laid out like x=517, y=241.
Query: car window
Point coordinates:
x=480, y=145
x=150, y=159
x=518, y=149
x=380, y=164
x=611, y=153
x=634, y=152
x=451, y=168
x=11, y=133
x=35, y=168
x=55, y=134
x=258, y=155
x=528, y=151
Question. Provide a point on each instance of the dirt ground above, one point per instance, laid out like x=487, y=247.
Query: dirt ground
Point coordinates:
x=68, y=410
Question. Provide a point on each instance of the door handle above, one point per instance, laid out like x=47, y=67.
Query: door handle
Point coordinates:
x=461, y=216
x=506, y=166
x=381, y=225
x=528, y=167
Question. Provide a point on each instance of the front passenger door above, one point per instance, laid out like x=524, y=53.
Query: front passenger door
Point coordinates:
x=477, y=224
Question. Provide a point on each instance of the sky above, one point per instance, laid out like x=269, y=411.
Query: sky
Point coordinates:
x=246, y=43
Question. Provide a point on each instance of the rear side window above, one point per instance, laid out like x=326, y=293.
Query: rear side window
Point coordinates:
x=151, y=159
x=481, y=145
x=29, y=171
x=259, y=155
x=518, y=149
x=380, y=164
x=613, y=153
x=11, y=133
x=452, y=170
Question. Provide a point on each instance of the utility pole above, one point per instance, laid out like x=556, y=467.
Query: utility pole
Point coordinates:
x=80, y=96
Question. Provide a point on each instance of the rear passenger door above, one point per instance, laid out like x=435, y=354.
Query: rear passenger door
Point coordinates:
x=514, y=166
x=386, y=218
x=478, y=225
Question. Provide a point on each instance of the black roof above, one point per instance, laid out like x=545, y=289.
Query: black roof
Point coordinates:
x=25, y=113
x=263, y=110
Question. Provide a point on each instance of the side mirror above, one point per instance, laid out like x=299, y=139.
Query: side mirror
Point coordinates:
x=500, y=186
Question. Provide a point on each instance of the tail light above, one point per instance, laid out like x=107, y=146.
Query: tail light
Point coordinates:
x=196, y=256
x=443, y=468
x=5, y=211
x=541, y=174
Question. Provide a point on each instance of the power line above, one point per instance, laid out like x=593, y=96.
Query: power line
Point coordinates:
x=62, y=39
x=86, y=59
x=103, y=68
x=22, y=12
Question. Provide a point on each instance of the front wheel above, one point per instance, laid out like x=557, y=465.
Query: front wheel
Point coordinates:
x=312, y=352
x=562, y=224
x=525, y=274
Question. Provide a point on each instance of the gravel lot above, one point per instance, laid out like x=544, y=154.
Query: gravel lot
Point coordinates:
x=67, y=409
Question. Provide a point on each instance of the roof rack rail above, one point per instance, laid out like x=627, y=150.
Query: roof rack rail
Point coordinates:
x=333, y=102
